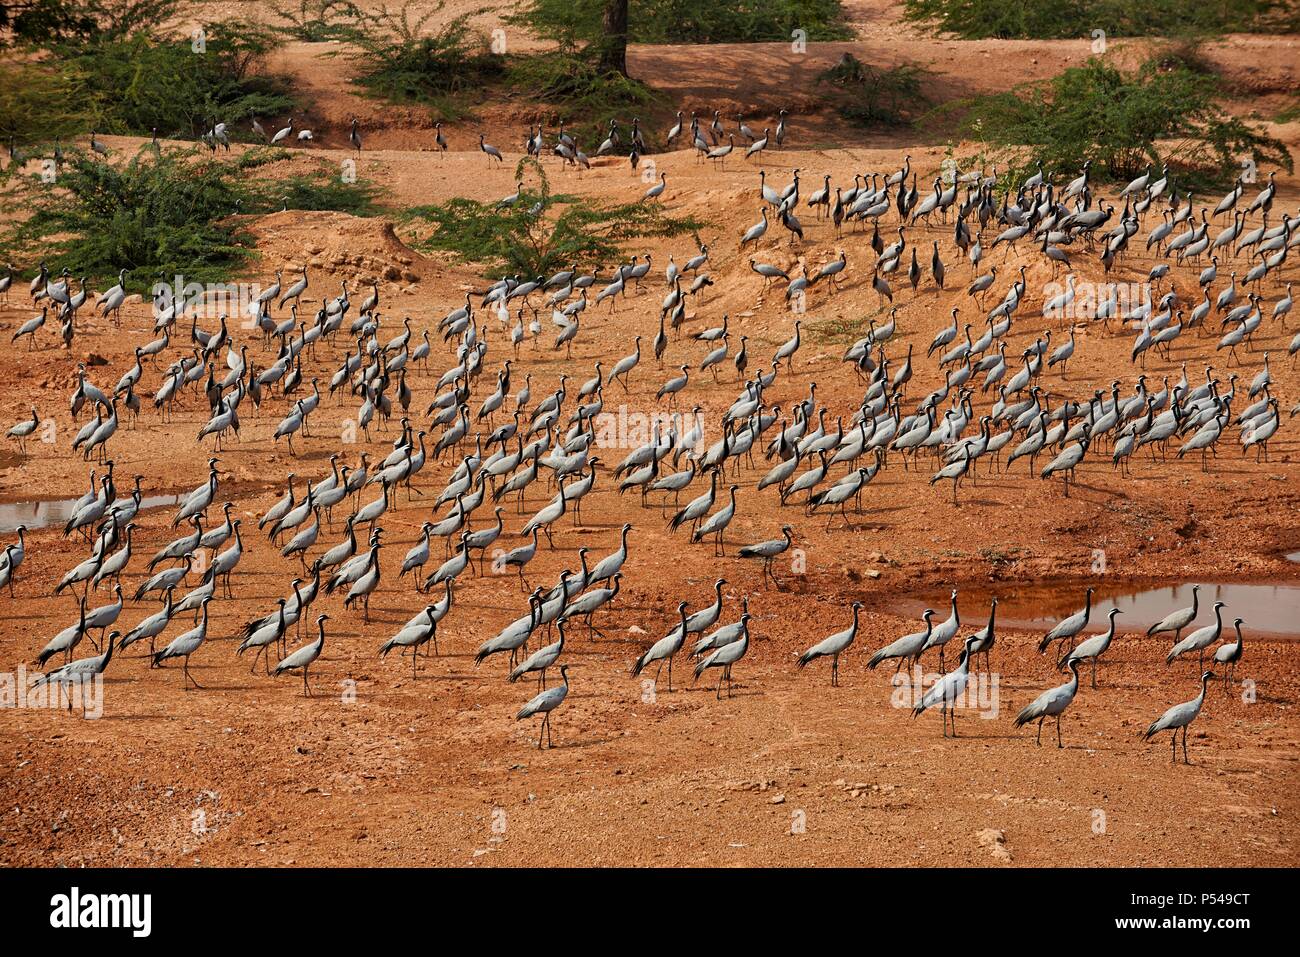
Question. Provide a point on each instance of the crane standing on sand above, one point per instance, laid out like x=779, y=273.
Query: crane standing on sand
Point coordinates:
x=544, y=704
x=1179, y=716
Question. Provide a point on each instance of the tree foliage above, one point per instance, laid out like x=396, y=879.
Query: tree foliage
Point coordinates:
x=78, y=22
x=40, y=103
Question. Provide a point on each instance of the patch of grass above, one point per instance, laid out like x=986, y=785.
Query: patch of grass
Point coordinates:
x=170, y=211
x=1067, y=19
x=542, y=231
x=1122, y=122
x=870, y=96
x=579, y=22
x=408, y=58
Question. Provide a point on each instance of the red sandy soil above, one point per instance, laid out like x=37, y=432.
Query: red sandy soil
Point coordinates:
x=435, y=770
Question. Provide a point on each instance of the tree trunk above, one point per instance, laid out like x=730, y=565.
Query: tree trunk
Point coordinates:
x=613, y=48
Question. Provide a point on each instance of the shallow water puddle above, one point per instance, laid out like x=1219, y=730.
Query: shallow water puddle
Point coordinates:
x=42, y=514
x=1273, y=609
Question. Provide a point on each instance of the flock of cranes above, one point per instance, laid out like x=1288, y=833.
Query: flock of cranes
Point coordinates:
x=490, y=436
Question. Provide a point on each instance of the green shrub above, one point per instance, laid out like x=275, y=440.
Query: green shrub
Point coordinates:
x=583, y=96
x=139, y=83
x=1065, y=19
x=112, y=65
x=689, y=21
x=321, y=189
x=542, y=231
x=870, y=96
x=314, y=21
x=404, y=59
x=163, y=211
x=1122, y=122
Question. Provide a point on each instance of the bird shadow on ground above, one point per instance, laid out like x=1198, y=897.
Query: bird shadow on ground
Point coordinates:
x=427, y=676
x=580, y=743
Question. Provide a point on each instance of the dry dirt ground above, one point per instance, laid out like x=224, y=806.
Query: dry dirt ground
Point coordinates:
x=383, y=768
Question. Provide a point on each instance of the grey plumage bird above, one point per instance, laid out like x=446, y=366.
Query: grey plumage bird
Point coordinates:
x=1200, y=639
x=833, y=647
x=1067, y=628
x=724, y=658
x=304, y=656
x=184, y=645
x=1094, y=647
x=544, y=704
x=1179, y=716
x=908, y=646
x=1176, y=621
x=1052, y=704
x=79, y=673
x=664, y=649
x=769, y=551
